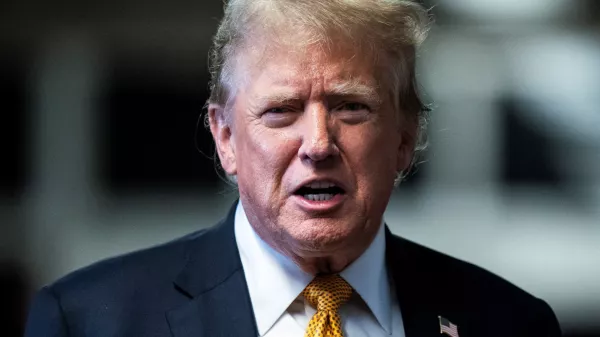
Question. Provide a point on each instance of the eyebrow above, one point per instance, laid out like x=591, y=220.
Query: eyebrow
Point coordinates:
x=351, y=89
x=283, y=96
x=355, y=88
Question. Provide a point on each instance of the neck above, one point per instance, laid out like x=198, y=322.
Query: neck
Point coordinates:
x=324, y=265
x=327, y=260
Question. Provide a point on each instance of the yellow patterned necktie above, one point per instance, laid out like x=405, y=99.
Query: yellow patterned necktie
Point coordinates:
x=326, y=293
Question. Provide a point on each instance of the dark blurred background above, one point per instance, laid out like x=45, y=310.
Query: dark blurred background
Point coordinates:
x=101, y=152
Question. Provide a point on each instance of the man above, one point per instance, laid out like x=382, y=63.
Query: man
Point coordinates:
x=315, y=116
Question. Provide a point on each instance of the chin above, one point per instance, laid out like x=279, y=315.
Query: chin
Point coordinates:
x=321, y=235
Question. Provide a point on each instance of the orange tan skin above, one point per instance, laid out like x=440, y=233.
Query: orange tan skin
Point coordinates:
x=306, y=118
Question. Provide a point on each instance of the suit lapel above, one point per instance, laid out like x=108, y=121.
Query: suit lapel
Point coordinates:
x=222, y=311
x=415, y=291
x=214, y=281
x=220, y=305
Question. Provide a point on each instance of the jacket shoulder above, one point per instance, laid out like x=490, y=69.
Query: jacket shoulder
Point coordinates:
x=455, y=273
x=472, y=293
x=126, y=277
x=129, y=294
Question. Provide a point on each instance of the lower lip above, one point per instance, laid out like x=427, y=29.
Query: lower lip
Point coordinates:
x=320, y=205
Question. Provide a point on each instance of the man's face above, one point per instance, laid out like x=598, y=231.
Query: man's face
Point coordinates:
x=316, y=145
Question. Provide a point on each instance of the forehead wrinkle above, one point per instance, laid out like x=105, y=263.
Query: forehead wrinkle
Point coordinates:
x=314, y=74
x=285, y=84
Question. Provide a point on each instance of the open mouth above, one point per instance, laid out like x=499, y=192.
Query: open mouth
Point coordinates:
x=319, y=191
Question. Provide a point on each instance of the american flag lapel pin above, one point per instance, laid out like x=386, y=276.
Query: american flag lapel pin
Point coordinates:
x=447, y=327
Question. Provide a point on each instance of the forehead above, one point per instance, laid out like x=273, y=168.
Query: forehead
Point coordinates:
x=313, y=67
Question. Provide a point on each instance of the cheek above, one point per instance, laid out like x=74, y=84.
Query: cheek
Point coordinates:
x=264, y=157
x=372, y=157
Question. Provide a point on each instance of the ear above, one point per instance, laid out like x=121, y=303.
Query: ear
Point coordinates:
x=406, y=148
x=222, y=134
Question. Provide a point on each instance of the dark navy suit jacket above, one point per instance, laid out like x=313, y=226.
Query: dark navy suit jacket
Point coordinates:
x=195, y=287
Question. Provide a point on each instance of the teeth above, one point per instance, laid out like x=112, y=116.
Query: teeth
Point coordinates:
x=320, y=184
x=319, y=197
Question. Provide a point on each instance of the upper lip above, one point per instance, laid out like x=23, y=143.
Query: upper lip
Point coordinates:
x=306, y=182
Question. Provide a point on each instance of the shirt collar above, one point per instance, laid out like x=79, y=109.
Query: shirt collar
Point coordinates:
x=274, y=281
x=268, y=272
x=375, y=288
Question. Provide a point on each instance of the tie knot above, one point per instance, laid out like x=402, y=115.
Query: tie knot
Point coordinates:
x=327, y=292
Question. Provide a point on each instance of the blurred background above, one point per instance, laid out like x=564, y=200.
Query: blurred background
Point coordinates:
x=101, y=154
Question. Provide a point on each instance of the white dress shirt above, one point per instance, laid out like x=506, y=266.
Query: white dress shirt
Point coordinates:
x=275, y=284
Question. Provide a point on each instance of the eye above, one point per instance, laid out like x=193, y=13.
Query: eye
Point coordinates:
x=278, y=110
x=353, y=112
x=352, y=106
x=280, y=116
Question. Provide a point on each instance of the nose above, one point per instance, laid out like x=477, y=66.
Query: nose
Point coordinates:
x=318, y=143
